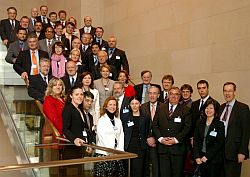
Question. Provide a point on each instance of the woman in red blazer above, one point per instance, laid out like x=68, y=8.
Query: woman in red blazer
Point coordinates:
x=54, y=102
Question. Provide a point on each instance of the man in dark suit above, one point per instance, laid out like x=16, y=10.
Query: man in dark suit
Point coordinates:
x=88, y=99
x=32, y=19
x=197, y=108
x=85, y=48
x=62, y=18
x=236, y=118
x=9, y=26
x=61, y=37
x=71, y=77
x=17, y=46
x=123, y=101
x=38, y=83
x=27, y=62
x=167, y=83
x=39, y=30
x=142, y=89
x=98, y=38
x=43, y=15
x=88, y=28
x=53, y=18
x=151, y=110
x=102, y=60
x=117, y=57
x=171, y=132
x=47, y=43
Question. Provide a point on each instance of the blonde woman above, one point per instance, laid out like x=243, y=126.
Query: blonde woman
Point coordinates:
x=54, y=102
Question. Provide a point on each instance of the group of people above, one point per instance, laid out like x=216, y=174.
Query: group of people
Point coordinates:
x=83, y=82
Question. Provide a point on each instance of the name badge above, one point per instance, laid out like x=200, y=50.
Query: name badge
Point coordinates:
x=118, y=57
x=110, y=74
x=84, y=133
x=115, y=128
x=177, y=119
x=106, y=89
x=125, y=110
x=213, y=133
x=103, y=48
x=130, y=124
x=34, y=66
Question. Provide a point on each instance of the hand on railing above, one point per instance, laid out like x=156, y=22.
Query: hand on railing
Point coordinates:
x=79, y=142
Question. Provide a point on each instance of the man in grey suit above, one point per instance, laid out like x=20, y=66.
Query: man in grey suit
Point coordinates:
x=17, y=46
x=34, y=14
x=46, y=44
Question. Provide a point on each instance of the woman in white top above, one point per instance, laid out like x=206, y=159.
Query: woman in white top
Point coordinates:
x=110, y=135
x=88, y=85
x=109, y=127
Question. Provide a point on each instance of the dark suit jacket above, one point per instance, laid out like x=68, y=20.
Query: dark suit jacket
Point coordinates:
x=161, y=97
x=66, y=81
x=90, y=132
x=37, y=87
x=161, y=110
x=103, y=44
x=143, y=130
x=39, y=19
x=197, y=114
x=92, y=31
x=6, y=31
x=165, y=126
x=73, y=124
x=237, y=138
x=124, y=107
x=23, y=62
x=14, y=50
x=214, y=144
x=95, y=70
x=139, y=89
x=119, y=60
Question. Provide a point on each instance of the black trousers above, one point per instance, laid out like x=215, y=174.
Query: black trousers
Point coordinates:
x=209, y=169
x=171, y=165
x=232, y=168
x=152, y=158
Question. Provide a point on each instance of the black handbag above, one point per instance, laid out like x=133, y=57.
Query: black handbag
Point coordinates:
x=197, y=171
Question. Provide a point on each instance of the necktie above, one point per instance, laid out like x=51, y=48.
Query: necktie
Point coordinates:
x=153, y=111
x=110, y=53
x=72, y=82
x=146, y=99
x=201, y=106
x=49, y=46
x=12, y=24
x=34, y=21
x=88, y=121
x=224, y=118
x=34, y=63
x=21, y=46
x=58, y=38
x=83, y=48
x=166, y=98
x=95, y=60
x=170, y=113
x=44, y=20
x=45, y=79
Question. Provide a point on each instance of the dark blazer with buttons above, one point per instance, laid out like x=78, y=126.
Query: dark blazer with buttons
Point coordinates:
x=23, y=62
x=67, y=82
x=90, y=132
x=119, y=60
x=237, y=138
x=165, y=126
x=214, y=144
x=37, y=87
x=14, y=50
x=73, y=124
x=197, y=114
x=143, y=130
x=139, y=90
x=161, y=111
x=124, y=106
x=6, y=31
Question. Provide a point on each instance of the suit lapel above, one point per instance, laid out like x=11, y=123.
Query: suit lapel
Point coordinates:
x=233, y=113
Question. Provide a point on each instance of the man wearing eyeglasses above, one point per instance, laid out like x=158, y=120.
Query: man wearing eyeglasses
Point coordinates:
x=171, y=133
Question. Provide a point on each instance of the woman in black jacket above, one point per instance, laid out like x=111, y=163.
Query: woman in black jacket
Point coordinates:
x=209, y=140
x=135, y=128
